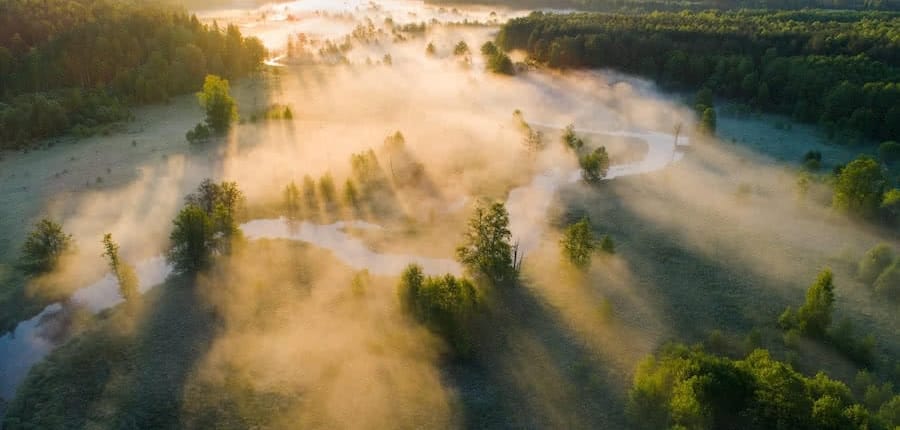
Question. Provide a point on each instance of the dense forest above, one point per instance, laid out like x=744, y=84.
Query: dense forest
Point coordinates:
x=839, y=69
x=678, y=5
x=74, y=65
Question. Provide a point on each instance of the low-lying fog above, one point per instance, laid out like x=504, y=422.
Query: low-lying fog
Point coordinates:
x=457, y=121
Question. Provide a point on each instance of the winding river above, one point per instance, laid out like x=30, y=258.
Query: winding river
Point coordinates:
x=33, y=339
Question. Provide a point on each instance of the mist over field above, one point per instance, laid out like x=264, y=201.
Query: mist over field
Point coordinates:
x=375, y=219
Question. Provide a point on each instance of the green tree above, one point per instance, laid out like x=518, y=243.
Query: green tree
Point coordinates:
x=193, y=240
x=486, y=251
x=221, y=109
x=578, y=243
x=124, y=272
x=595, y=166
x=43, y=247
x=571, y=140
x=291, y=200
x=461, y=48
x=445, y=304
x=708, y=121
x=874, y=262
x=814, y=317
x=888, y=282
x=859, y=187
x=607, y=245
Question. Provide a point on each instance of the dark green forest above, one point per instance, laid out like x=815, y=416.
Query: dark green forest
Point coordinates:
x=678, y=5
x=75, y=65
x=838, y=69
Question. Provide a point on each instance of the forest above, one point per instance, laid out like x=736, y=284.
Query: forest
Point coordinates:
x=679, y=5
x=77, y=65
x=837, y=69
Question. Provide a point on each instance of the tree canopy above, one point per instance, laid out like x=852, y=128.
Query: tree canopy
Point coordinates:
x=43, y=247
x=486, y=251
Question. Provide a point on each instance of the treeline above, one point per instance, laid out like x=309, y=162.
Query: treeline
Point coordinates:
x=75, y=65
x=836, y=68
x=679, y=5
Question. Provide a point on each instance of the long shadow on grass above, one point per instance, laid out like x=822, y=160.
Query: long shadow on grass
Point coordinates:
x=530, y=371
x=173, y=336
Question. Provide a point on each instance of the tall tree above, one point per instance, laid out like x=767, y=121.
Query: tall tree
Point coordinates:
x=486, y=251
x=814, y=316
x=221, y=109
x=124, y=273
x=859, y=187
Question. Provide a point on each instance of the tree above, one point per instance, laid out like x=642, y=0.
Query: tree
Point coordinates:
x=461, y=48
x=571, y=140
x=192, y=240
x=486, y=251
x=874, y=262
x=291, y=199
x=445, y=304
x=859, y=187
x=430, y=50
x=124, y=272
x=221, y=109
x=888, y=283
x=578, y=243
x=595, y=166
x=708, y=121
x=814, y=317
x=607, y=245
x=890, y=206
x=43, y=247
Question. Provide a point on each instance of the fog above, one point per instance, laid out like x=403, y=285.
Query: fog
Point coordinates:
x=307, y=311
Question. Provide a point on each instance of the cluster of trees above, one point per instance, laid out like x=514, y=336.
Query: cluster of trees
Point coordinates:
x=835, y=68
x=206, y=226
x=445, y=304
x=880, y=269
x=497, y=60
x=77, y=64
x=220, y=108
x=814, y=318
x=299, y=203
x=578, y=243
x=594, y=164
x=862, y=189
x=690, y=389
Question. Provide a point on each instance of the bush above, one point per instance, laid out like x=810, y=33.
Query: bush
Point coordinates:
x=874, y=262
x=43, y=247
x=200, y=133
x=578, y=243
x=595, y=166
x=888, y=283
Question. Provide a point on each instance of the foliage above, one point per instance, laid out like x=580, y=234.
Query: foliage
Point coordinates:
x=486, y=251
x=206, y=226
x=685, y=388
x=445, y=304
x=461, y=48
x=497, y=60
x=571, y=140
x=874, y=262
x=859, y=187
x=814, y=316
x=124, y=272
x=74, y=65
x=199, y=133
x=890, y=206
x=888, y=283
x=291, y=200
x=708, y=121
x=43, y=247
x=578, y=243
x=607, y=245
x=812, y=160
x=595, y=166
x=834, y=68
x=193, y=240
x=220, y=107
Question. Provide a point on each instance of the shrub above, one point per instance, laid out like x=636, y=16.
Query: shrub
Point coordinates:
x=43, y=247
x=874, y=262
